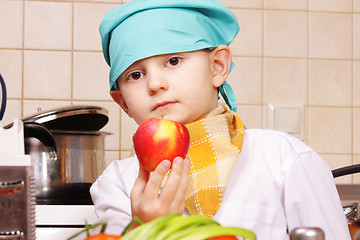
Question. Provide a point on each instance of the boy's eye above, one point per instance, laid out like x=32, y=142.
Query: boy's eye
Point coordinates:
x=174, y=61
x=135, y=76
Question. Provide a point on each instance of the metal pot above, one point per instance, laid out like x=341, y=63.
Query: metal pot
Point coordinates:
x=65, y=172
x=82, y=154
x=350, y=199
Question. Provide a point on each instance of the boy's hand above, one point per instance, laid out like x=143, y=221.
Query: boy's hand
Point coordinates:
x=149, y=201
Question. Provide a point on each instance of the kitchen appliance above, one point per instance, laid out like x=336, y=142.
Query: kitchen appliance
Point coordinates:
x=63, y=200
x=55, y=219
x=69, y=152
x=350, y=199
x=17, y=186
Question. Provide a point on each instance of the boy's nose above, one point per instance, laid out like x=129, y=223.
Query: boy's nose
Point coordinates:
x=156, y=83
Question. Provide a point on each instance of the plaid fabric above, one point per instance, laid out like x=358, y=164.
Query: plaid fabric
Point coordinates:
x=216, y=141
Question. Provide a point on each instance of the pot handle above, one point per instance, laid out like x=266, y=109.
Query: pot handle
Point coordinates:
x=346, y=170
x=39, y=131
x=4, y=97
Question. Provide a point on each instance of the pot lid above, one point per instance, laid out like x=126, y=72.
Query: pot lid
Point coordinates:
x=72, y=118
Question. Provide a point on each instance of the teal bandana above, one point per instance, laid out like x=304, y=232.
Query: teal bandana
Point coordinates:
x=145, y=28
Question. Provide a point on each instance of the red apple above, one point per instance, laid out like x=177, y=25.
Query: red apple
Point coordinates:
x=160, y=139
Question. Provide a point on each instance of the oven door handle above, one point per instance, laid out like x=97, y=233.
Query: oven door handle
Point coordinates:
x=346, y=170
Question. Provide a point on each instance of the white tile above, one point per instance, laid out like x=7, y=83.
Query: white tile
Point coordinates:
x=356, y=36
x=285, y=33
x=330, y=82
x=285, y=80
x=330, y=35
x=33, y=107
x=330, y=130
x=306, y=123
x=48, y=25
x=11, y=71
x=242, y=4
x=126, y=154
x=331, y=5
x=356, y=177
x=289, y=4
x=343, y=180
x=336, y=161
x=47, y=75
x=11, y=24
x=91, y=77
x=356, y=84
x=248, y=42
x=251, y=115
x=112, y=141
x=246, y=80
x=357, y=6
x=87, y=18
x=356, y=130
x=111, y=156
x=128, y=129
x=12, y=112
x=97, y=1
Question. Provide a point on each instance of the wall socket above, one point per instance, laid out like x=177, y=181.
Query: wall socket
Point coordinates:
x=287, y=117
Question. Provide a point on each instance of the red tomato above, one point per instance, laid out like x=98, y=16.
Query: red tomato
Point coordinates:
x=103, y=236
x=223, y=238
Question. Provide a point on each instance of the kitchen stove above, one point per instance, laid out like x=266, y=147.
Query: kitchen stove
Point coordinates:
x=59, y=222
x=63, y=207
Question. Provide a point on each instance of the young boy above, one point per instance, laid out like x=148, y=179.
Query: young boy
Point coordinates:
x=171, y=58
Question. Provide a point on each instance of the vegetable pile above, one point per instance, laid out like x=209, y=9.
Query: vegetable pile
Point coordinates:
x=175, y=227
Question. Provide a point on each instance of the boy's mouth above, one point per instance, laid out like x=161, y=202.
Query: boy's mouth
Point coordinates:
x=163, y=106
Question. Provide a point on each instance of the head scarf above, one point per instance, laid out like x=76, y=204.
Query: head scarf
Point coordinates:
x=145, y=28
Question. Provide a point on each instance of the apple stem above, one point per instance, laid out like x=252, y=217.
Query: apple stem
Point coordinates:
x=162, y=116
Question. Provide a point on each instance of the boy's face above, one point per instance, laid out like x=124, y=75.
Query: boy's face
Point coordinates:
x=179, y=87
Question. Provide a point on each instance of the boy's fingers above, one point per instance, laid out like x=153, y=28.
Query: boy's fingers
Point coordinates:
x=170, y=191
x=179, y=199
x=140, y=184
x=154, y=183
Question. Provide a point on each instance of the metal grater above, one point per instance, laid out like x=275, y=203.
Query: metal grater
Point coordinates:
x=17, y=187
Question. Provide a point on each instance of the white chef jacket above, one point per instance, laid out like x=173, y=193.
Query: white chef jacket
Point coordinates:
x=278, y=184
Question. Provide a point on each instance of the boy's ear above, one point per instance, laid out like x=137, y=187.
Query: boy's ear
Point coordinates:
x=119, y=99
x=221, y=58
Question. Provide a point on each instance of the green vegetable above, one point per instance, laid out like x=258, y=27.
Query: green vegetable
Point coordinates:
x=205, y=232
x=180, y=223
x=148, y=230
x=175, y=227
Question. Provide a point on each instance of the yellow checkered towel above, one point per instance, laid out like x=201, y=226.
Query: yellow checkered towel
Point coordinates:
x=216, y=142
